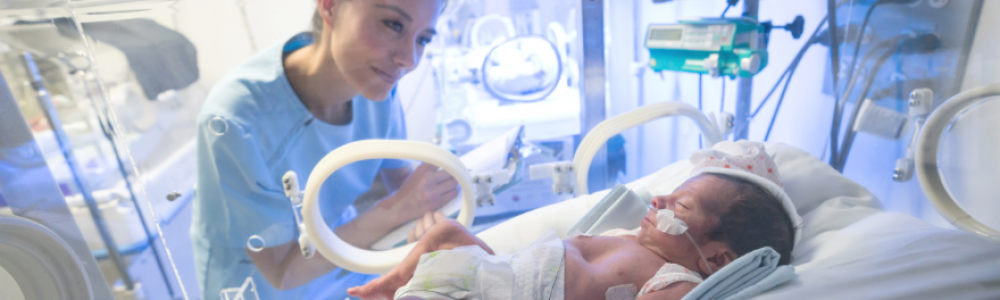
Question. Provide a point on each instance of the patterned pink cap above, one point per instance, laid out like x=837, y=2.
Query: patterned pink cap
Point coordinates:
x=749, y=161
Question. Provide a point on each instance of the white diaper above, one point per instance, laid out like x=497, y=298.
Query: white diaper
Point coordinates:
x=536, y=272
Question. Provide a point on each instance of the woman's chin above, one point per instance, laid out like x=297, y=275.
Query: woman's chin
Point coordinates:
x=377, y=91
x=376, y=95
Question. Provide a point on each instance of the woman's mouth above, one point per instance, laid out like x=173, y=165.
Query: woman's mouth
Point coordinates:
x=385, y=76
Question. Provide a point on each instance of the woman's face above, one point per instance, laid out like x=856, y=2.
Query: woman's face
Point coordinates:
x=375, y=42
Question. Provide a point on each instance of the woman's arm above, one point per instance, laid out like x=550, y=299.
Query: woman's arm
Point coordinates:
x=394, y=178
x=426, y=189
x=284, y=267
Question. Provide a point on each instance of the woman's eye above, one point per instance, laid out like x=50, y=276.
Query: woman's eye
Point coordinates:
x=395, y=26
x=423, y=41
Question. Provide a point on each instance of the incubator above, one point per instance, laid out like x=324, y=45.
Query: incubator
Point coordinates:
x=564, y=114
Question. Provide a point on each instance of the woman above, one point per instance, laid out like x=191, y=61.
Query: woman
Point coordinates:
x=284, y=109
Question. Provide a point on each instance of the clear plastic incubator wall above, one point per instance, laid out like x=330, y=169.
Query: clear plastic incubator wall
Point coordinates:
x=100, y=100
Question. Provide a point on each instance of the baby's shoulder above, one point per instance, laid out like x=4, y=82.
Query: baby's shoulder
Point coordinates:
x=671, y=278
x=631, y=235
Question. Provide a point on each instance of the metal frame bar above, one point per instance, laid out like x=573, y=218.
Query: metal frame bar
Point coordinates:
x=31, y=191
x=45, y=102
x=741, y=123
x=593, y=109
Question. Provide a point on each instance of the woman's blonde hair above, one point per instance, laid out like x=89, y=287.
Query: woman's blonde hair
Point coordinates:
x=317, y=19
x=317, y=24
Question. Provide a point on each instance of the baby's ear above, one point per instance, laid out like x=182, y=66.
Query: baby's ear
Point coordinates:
x=719, y=256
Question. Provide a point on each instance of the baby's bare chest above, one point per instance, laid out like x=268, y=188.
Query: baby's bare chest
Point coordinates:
x=594, y=264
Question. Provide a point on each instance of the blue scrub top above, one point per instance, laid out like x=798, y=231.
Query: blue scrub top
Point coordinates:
x=252, y=129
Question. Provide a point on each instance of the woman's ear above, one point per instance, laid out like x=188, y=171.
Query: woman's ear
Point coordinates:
x=326, y=10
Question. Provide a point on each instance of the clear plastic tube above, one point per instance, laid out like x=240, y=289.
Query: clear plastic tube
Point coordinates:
x=666, y=223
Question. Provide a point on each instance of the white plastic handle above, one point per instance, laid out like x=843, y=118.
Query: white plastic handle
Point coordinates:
x=346, y=255
x=598, y=136
x=927, y=159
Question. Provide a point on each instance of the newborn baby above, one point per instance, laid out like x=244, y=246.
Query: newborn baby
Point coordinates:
x=717, y=217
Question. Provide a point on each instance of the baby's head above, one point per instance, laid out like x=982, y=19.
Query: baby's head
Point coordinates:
x=726, y=215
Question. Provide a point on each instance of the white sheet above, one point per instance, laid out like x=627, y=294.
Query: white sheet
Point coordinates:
x=849, y=249
x=893, y=256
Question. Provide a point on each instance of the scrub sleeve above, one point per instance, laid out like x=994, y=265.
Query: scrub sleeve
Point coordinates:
x=251, y=130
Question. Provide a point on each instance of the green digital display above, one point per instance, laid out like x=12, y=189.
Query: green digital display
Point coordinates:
x=666, y=34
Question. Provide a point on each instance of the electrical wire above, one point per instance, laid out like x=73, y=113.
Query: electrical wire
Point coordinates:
x=861, y=31
x=836, y=156
x=831, y=8
x=839, y=106
x=794, y=64
x=789, y=71
x=781, y=99
x=837, y=159
x=845, y=148
x=773, y=88
x=850, y=85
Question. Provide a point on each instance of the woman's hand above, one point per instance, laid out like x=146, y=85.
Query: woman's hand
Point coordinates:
x=425, y=190
x=424, y=225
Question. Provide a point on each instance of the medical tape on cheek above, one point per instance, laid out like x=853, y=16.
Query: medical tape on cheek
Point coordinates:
x=666, y=222
x=621, y=292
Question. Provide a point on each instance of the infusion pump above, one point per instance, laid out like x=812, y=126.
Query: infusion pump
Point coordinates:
x=717, y=47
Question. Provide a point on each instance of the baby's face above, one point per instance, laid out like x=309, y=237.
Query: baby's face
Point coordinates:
x=698, y=202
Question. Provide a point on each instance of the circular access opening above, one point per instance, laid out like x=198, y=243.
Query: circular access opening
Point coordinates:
x=39, y=263
x=968, y=161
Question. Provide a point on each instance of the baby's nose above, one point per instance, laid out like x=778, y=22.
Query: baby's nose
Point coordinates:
x=658, y=202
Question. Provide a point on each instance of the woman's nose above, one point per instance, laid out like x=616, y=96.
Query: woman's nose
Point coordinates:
x=407, y=56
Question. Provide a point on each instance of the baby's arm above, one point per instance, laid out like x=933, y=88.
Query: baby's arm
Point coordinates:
x=444, y=235
x=674, y=291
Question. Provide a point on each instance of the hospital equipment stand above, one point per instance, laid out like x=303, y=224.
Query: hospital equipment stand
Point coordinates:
x=741, y=124
x=49, y=110
x=594, y=107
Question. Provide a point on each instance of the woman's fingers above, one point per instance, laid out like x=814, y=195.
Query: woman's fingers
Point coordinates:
x=442, y=188
x=441, y=201
x=438, y=176
x=424, y=168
